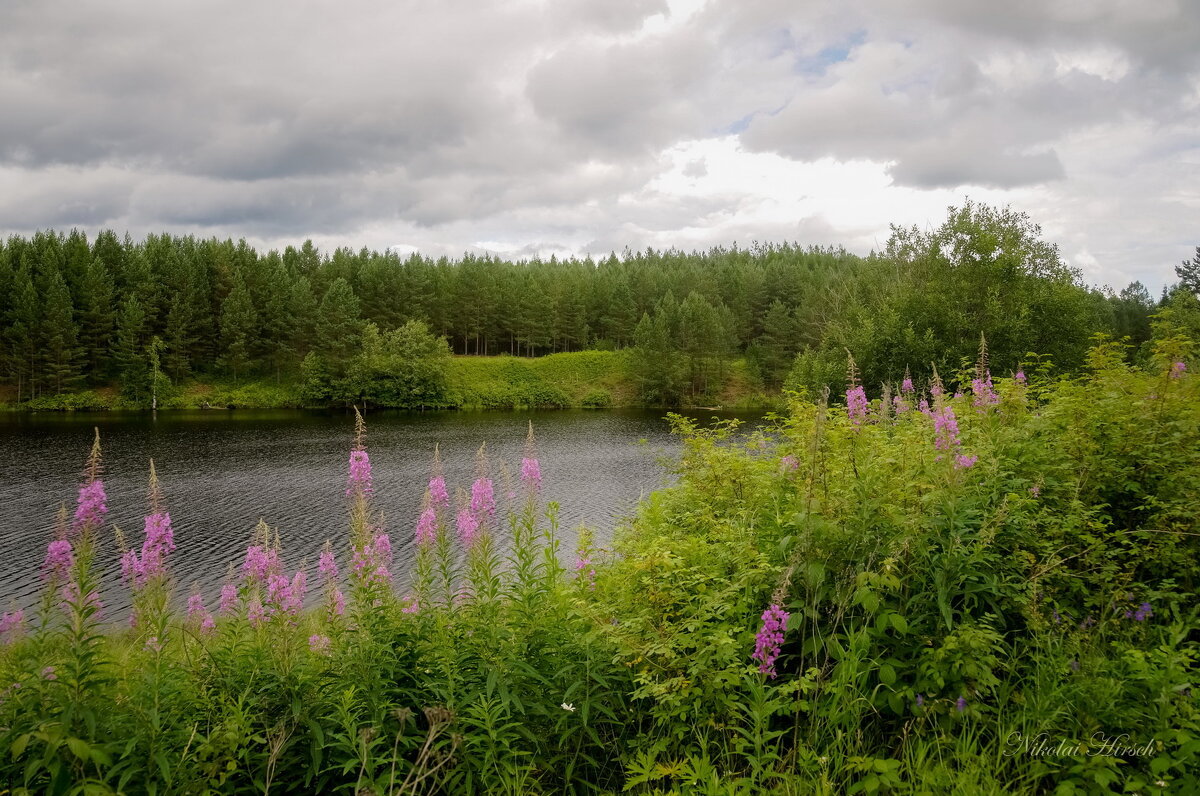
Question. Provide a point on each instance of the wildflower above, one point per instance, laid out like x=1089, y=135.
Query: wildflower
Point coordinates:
x=531, y=473
x=567, y=706
x=339, y=602
x=413, y=606
x=71, y=597
x=900, y=405
x=789, y=463
x=326, y=564
x=1178, y=370
x=961, y=704
x=195, y=606
x=906, y=386
x=427, y=524
x=153, y=644
x=483, y=501
x=48, y=673
x=1020, y=377
x=255, y=613
x=769, y=640
x=582, y=563
x=261, y=562
x=11, y=621
x=359, y=481
x=1143, y=613
x=59, y=560
x=985, y=394
x=229, y=599
x=91, y=506
x=438, y=495
x=468, y=527
x=923, y=408
x=319, y=644
x=963, y=461
x=856, y=405
x=945, y=429
x=1035, y=490
x=207, y=624
x=920, y=700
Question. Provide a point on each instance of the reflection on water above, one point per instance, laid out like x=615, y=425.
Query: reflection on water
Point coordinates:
x=221, y=471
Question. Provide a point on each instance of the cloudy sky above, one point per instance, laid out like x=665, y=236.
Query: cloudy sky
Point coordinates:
x=586, y=126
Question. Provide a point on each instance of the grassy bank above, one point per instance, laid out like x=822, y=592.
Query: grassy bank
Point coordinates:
x=994, y=592
x=583, y=379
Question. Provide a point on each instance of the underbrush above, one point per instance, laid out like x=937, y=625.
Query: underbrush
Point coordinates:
x=985, y=592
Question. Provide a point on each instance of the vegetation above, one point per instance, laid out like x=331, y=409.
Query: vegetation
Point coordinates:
x=981, y=585
x=372, y=327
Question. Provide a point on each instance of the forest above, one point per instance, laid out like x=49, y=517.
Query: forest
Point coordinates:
x=371, y=326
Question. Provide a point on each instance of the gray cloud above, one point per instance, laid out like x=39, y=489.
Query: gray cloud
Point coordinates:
x=544, y=125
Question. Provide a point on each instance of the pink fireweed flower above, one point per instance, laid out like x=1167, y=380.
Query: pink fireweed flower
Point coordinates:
x=207, y=624
x=531, y=474
x=1035, y=490
x=1020, y=377
x=359, y=481
x=327, y=565
x=195, y=606
x=985, y=394
x=581, y=564
x=789, y=463
x=339, y=602
x=438, y=496
x=468, y=527
x=769, y=640
x=383, y=548
x=59, y=560
x=923, y=408
x=413, y=606
x=906, y=386
x=255, y=613
x=945, y=429
x=427, y=526
x=261, y=562
x=370, y=564
x=12, y=621
x=91, y=507
x=48, y=673
x=856, y=404
x=160, y=540
x=483, y=501
x=899, y=405
x=963, y=461
x=319, y=644
x=229, y=599
x=1178, y=369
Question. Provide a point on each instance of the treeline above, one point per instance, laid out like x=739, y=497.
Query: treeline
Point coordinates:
x=80, y=313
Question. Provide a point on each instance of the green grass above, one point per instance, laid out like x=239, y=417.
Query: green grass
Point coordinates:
x=579, y=379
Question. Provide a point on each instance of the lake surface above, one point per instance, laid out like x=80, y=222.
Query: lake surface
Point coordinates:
x=221, y=471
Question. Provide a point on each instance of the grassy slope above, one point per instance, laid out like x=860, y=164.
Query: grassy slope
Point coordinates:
x=591, y=379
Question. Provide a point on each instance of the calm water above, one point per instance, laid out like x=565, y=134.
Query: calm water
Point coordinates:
x=222, y=471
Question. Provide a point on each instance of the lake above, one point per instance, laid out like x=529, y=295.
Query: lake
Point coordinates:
x=221, y=471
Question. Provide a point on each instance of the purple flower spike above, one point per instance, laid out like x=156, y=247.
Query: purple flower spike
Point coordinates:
x=92, y=506
x=468, y=527
x=438, y=495
x=229, y=599
x=427, y=526
x=1178, y=369
x=360, y=474
x=769, y=640
x=1143, y=613
x=856, y=405
x=483, y=501
x=531, y=474
x=961, y=704
x=59, y=560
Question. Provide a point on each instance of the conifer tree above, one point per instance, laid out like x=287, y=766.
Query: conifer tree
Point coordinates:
x=58, y=333
x=238, y=327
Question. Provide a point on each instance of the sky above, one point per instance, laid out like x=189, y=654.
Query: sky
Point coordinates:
x=583, y=127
